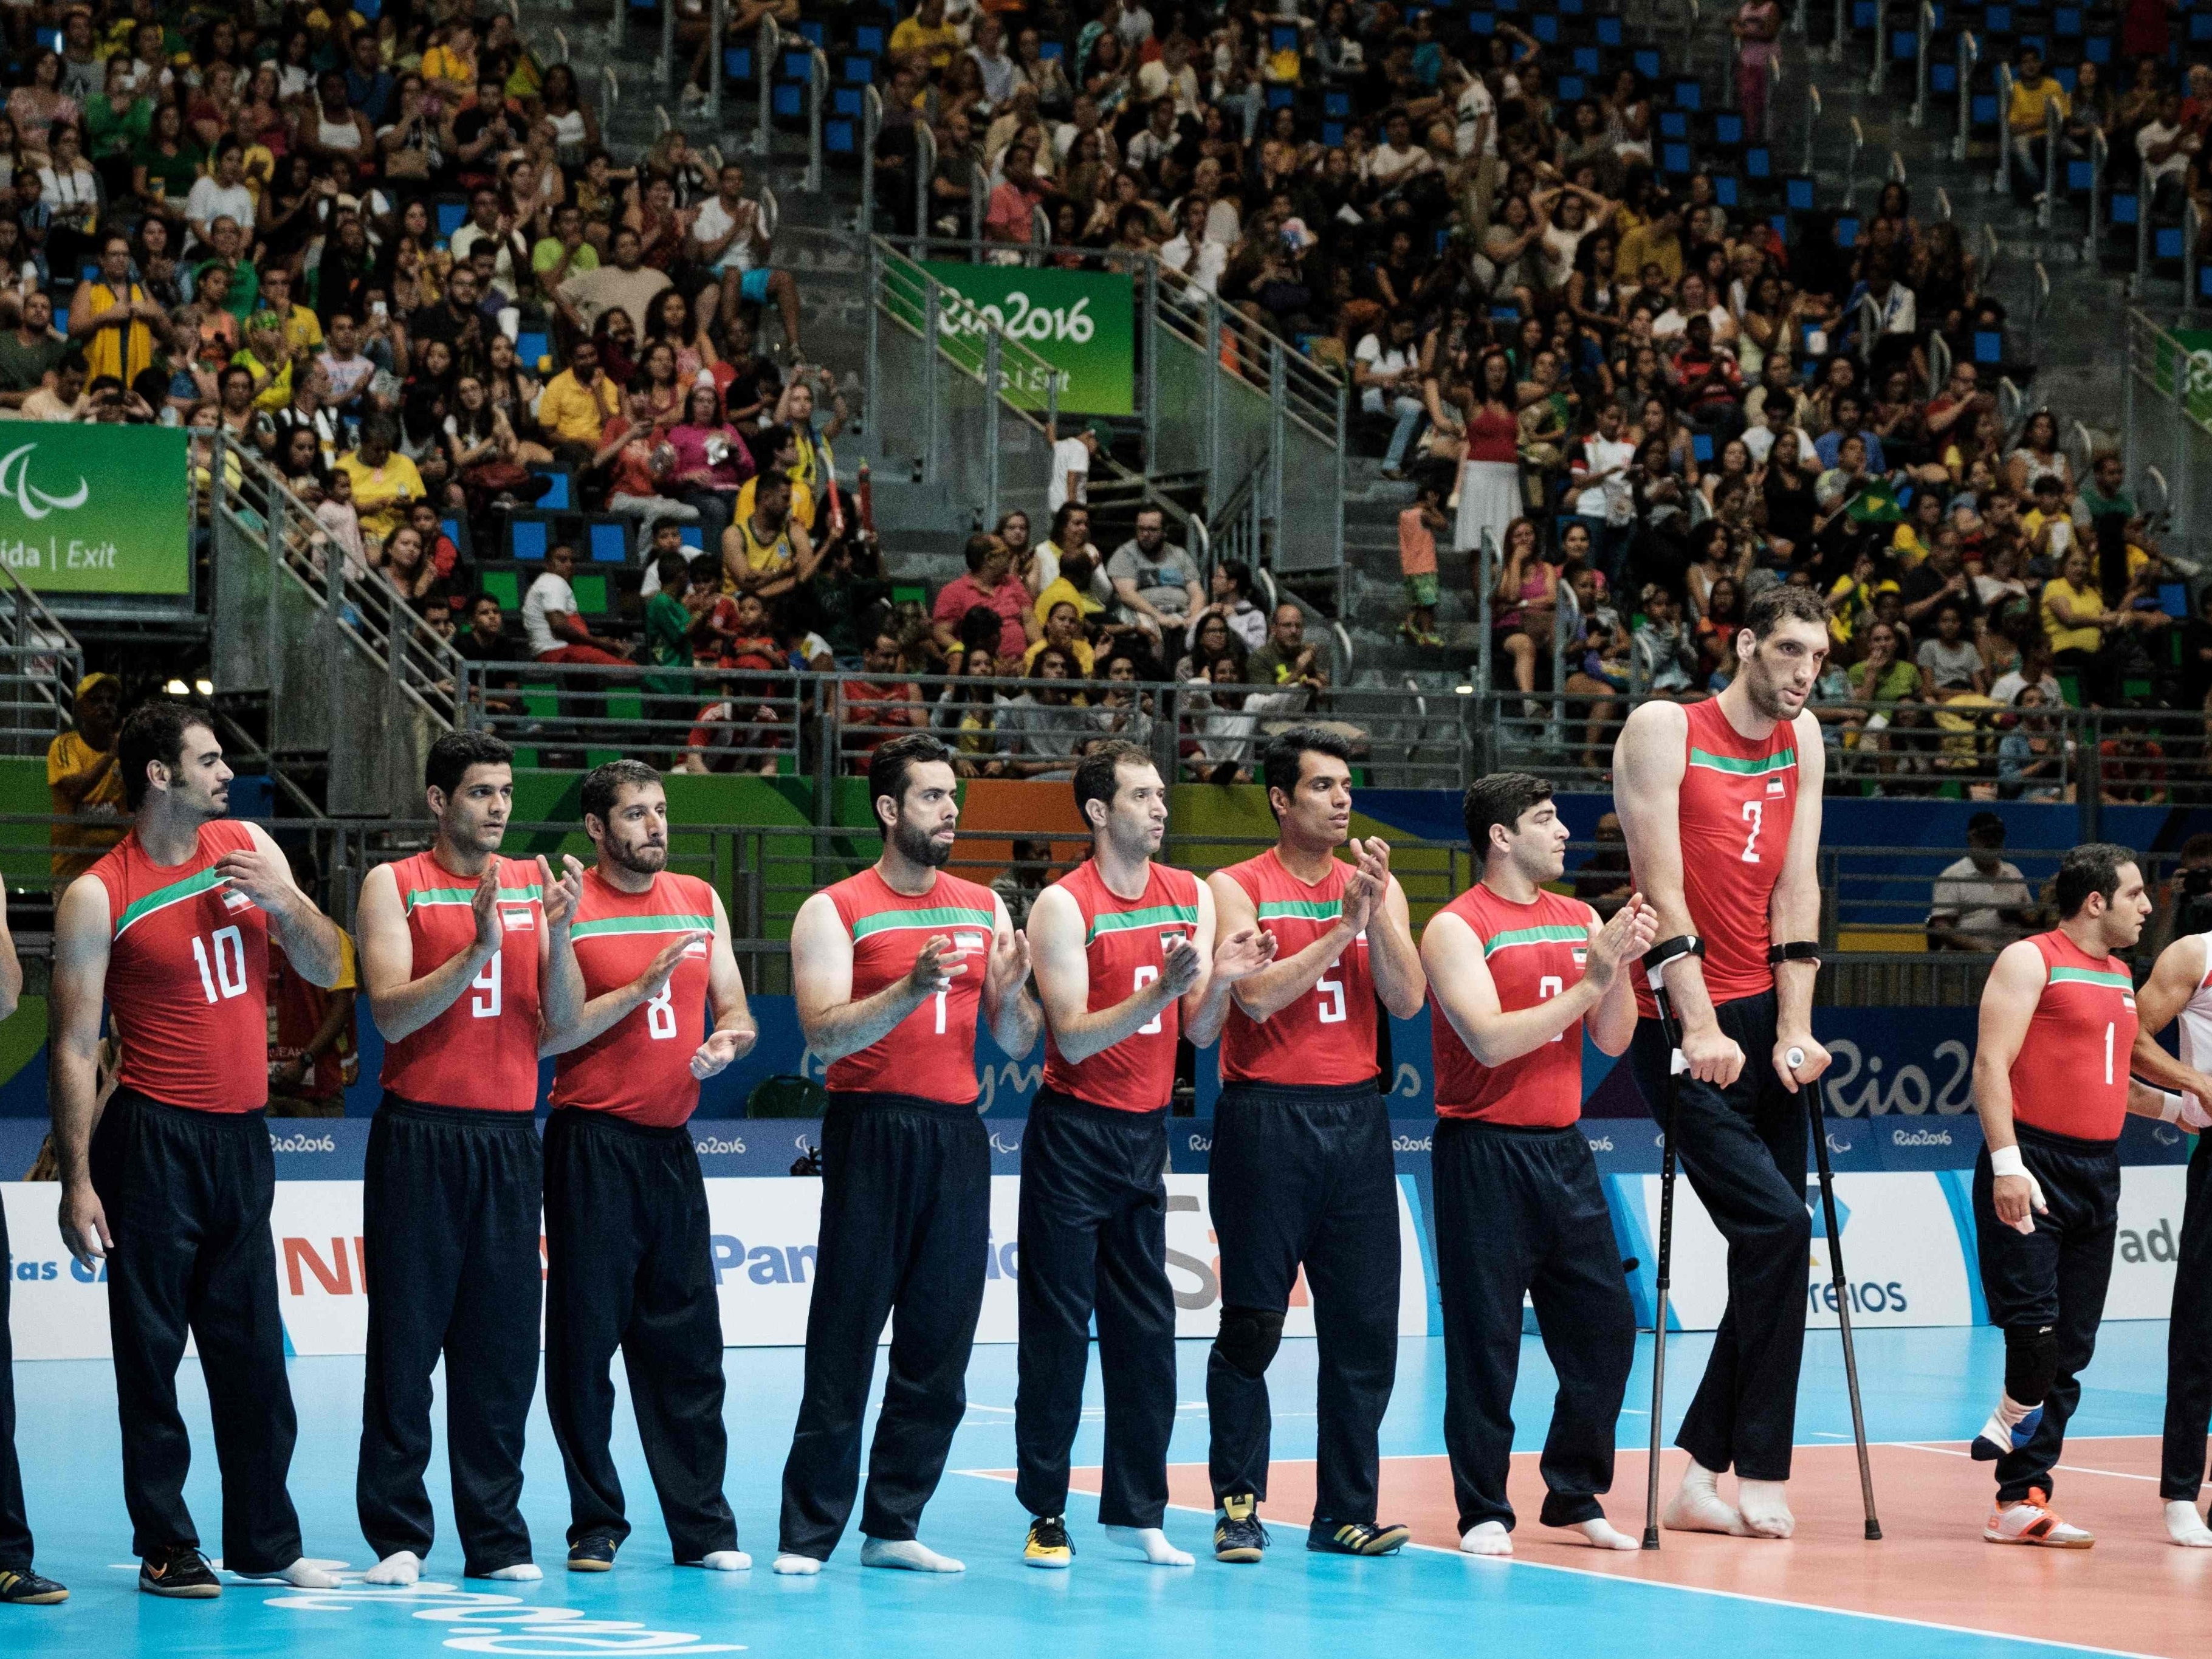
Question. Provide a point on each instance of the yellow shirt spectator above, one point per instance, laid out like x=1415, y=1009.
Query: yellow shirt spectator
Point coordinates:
x=574, y=414
x=2026, y=115
x=1059, y=588
x=1645, y=246
x=379, y=491
x=442, y=63
x=77, y=847
x=1079, y=648
x=301, y=328
x=802, y=505
x=938, y=44
x=2080, y=602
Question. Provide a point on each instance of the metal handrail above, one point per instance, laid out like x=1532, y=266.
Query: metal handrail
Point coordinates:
x=817, y=95
x=1970, y=53
x=1813, y=112
x=766, y=48
x=1879, y=72
x=2003, y=181
x=871, y=127
x=925, y=170
x=2099, y=159
x=1851, y=164
x=2053, y=179
x=718, y=33
x=1921, y=54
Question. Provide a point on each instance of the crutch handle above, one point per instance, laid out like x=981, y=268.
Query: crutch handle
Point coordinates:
x=1795, y=1057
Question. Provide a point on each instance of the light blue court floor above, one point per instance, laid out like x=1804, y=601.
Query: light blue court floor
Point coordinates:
x=1932, y=1588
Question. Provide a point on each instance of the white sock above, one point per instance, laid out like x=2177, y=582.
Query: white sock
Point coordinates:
x=304, y=1574
x=726, y=1561
x=795, y=1566
x=400, y=1567
x=911, y=1553
x=522, y=1572
x=1604, y=1534
x=2185, y=1527
x=1696, y=1505
x=1765, y=1505
x=1152, y=1544
x=1487, y=1538
x=2008, y=1416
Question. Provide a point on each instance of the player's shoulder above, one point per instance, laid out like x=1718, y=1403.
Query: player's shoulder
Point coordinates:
x=1250, y=873
x=1182, y=884
x=1656, y=720
x=695, y=891
x=2024, y=961
x=220, y=835
x=958, y=893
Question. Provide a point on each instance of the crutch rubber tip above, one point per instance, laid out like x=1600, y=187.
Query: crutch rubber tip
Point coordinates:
x=1874, y=1530
x=1650, y=1538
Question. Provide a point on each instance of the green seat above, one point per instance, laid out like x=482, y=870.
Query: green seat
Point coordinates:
x=625, y=705
x=542, y=701
x=590, y=592
x=502, y=586
x=2135, y=690
x=905, y=591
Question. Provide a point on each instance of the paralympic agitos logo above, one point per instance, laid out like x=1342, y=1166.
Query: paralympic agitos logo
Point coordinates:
x=31, y=501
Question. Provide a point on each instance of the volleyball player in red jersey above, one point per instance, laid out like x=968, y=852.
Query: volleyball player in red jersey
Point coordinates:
x=1518, y=973
x=2051, y=1083
x=172, y=1181
x=1720, y=802
x=1125, y=965
x=467, y=961
x=891, y=969
x=628, y=1259
x=1302, y=1168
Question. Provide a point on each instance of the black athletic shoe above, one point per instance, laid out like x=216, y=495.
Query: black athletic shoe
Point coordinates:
x=1355, y=1538
x=1048, y=1544
x=593, y=1554
x=179, y=1572
x=1237, y=1533
x=26, y=1589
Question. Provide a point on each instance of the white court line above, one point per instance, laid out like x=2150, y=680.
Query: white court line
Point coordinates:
x=2057, y=1468
x=1476, y=1562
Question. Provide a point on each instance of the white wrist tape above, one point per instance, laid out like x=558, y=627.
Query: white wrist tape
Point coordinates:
x=2169, y=1109
x=2006, y=1161
x=2193, y=1114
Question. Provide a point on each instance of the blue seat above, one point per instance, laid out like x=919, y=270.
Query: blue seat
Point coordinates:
x=859, y=69
x=1337, y=104
x=2166, y=242
x=1283, y=39
x=531, y=346
x=609, y=540
x=1570, y=87
x=1332, y=134
x=1988, y=346
x=2080, y=175
x=527, y=538
x=1997, y=20
x=1797, y=194
x=1943, y=78
x=2200, y=26
x=738, y=64
x=2123, y=207
x=1864, y=14
x=1053, y=50
x=1609, y=31
x=1689, y=94
x=1727, y=130
x=1647, y=63
x=1281, y=97
x=870, y=38
x=1545, y=28
x=1701, y=446
x=2066, y=21
x=1779, y=224
x=560, y=498
x=691, y=536
x=2098, y=49
x=2035, y=41
x=1904, y=45
x=1847, y=232
x=847, y=100
x=1482, y=22
x=1673, y=124
x=451, y=216
x=840, y=135
x=1983, y=111
x=1758, y=162
x=788, y=98
x=1725, y=190
x=1586, y=60
x=1676, y=159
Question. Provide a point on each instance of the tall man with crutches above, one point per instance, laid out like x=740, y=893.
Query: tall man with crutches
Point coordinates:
x=1720, y=802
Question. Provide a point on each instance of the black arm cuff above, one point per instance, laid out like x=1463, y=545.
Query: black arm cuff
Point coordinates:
x=1664, y=951
x=1800, y=950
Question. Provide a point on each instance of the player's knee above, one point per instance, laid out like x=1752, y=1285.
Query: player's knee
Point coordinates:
x=2031, y=1361
x=1248, y=1338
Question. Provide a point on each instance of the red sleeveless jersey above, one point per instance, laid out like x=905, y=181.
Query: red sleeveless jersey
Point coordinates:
x=187, y=975
x=1124, y=942
x=640, y=1067
x=1738, y=797
x=483, y=1050
x=1534, y=953
x=1326, y=1037
x=2070, y=1076
x=931, y=1053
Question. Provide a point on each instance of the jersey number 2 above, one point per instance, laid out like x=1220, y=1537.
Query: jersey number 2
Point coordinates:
x=228, y=978
x=1755, y=810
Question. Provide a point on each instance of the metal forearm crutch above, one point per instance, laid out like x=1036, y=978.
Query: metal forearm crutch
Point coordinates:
x=1816, y=1104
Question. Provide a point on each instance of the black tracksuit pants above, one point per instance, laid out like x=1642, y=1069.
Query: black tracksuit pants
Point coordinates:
x=1306, y=1175
x=2054, y=1278
x=1743, y=1149
x=629, y=1266
x=450, y=1209
x=1523, y=1210
x=1094, y=1240
x=14, y=1526
x=906, y=1221
x=2188, y=1338
x=187, y=1196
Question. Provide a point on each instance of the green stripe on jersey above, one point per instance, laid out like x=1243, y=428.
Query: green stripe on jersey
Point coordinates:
x=1305, y=910
x=424, y=897
x=950, y=915
x=609, y=925
x=1156, y=915
x=1546, y=935
x=2091, y=976
x=163, y=898
x=1783, y=760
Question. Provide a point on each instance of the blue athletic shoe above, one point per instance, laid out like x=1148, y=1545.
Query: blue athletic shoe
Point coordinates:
x=1995, y=1441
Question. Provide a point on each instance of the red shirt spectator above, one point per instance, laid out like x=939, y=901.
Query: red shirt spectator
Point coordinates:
x=990, y=584
x=872, y=711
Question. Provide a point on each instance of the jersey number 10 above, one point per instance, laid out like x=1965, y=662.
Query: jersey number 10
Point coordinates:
x=227, y=978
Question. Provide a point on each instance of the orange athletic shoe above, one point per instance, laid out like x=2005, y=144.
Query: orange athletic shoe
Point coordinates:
x=2032, y=1521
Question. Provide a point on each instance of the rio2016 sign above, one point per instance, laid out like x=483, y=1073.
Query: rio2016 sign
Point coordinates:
x=95, y=509
x=1078, y=322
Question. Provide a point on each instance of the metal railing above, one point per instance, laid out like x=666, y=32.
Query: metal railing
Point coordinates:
x=41, y=664
x=351, y=674
x=1812, y=123
x=1969, y=55
x=2167, y=429
x=768, y=45
x=2002, y=181
x=2100, y=161
x=818, y=96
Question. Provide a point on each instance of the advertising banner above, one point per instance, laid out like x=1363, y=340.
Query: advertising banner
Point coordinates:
x=1080, y=322
x=96, y=509
x=762, y=1242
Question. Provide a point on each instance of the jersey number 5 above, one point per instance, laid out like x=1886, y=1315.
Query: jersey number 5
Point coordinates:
x=1331, y=992
x=228, y=978
x=1755, y=810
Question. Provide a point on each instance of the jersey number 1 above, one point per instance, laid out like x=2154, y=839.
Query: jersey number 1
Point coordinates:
x=228, y=978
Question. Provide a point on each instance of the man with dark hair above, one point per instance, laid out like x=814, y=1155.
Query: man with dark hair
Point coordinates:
x=171, y=930
x=891, y=969
x=1126, y=966
x=470, y=969
x=1519, y=973
x=990, y=584
x=629, y=1260
x=1301, y=1171
x=2058, y=1039
x=1721, y=803
x=1981, y=903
